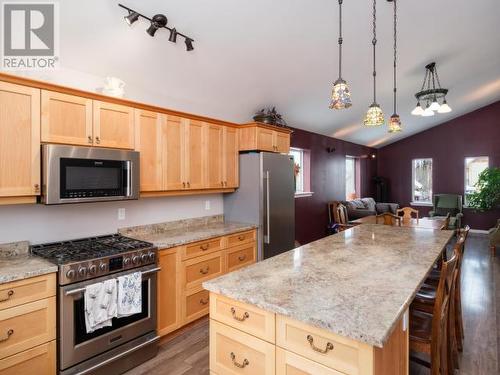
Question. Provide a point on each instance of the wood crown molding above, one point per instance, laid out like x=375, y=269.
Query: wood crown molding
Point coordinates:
x=266, y=126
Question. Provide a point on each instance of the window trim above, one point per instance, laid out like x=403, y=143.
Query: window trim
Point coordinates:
x=413, y=201
x=305, y=164
x=465, y=174
x=357, y=168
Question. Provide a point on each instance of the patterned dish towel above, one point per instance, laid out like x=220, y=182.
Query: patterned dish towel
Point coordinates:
x=129, y=294
x=100, y=305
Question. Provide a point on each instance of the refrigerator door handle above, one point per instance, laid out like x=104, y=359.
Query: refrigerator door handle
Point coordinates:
x=267, y=234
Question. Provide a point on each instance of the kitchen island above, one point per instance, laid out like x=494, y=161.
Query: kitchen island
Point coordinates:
x=335, y=306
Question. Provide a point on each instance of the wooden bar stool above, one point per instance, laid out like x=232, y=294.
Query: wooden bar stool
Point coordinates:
x=429, y=331
x=389, y=219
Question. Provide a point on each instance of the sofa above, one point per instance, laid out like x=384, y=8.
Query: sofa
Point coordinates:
x=359, y=208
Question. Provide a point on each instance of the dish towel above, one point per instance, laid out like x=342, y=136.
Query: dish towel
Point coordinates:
x=100, y=305
x=129, y=294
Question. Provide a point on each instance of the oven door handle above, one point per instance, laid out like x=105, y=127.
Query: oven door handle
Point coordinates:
x=80, y=290
x=118, y=356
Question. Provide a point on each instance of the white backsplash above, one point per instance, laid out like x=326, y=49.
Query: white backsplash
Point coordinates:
x=40, y=223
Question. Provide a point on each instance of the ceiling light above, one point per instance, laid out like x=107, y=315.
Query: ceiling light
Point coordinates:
x=131, y=18
x=152, y=29
x=173, y=36
x=394, y=124
x=189, y=44
x=445, y=108
x=432, y=91
x=341, y=95
x=395, y=121
x=418, y=110
x=158, y=21
x=428, y=112
x=374, y=116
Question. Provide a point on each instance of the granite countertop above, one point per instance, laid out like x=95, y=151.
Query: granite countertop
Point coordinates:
x=171, y=234
x=357, y=283
x=16, y=263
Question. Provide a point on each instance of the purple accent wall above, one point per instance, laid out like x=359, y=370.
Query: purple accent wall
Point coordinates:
x=327, y=180
x=474, y=134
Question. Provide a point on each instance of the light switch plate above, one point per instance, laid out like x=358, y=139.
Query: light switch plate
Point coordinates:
x=207, y=205
x=121, y=214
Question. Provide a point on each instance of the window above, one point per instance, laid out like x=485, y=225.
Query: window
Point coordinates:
x=473, y=168
x=421, y=181
x=301, y=160
x=350, y=178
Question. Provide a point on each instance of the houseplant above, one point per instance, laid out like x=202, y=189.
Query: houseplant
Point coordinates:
x=487, y=196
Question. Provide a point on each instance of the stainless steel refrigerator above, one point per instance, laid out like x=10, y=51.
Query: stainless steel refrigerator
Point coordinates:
x=265, y=198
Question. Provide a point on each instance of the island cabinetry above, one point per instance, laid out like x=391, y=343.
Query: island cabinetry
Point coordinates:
x=28, y=326
x=181, y=298
x=262, y=137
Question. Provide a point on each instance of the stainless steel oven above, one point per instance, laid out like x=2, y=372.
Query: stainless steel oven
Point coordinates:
x=100, y=351
x=76, y=174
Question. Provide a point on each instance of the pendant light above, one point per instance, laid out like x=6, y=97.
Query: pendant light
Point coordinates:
x=374, y=116
x=431, y=93
x=341, y=96
x=395, y=120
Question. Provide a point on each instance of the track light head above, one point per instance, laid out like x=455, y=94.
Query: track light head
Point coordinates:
x=157, y=22
x=151, y=30
x=131, y=18
x=173, y=36
x=189, y=44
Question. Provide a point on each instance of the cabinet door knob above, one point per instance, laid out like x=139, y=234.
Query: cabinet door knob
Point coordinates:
x=97, y=140
x=89, y=139
x=183, y=184
x=188, y=184
x=37, y=188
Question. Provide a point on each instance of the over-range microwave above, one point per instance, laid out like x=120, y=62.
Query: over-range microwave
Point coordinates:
x=77, y=174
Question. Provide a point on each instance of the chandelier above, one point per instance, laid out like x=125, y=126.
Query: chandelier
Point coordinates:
x=374, y=116
x=430, y=94
x=394, y=125
x=341, y=96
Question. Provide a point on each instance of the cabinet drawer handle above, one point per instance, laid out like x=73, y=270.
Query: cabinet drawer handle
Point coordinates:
x=37, y=188
x=89, y=139
x=188, y=184
x=329, y=345
x=203, y=301
x=205, y=246
x=204, y=271
x=222, y=183
x=238, y=318
x=9, y=333
x=242, y=257
x=239, y=365
x=183, y=184
x=10, y=293
x=97, y=140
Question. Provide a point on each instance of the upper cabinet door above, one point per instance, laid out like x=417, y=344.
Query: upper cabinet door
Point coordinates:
x=282, y=142
x=113, y=125
x=173, y=160
x=194, y=162
x=230, y=158
x=148, y=137
x=19, y=140
x=66, y=119
x=265, y=139
x=214, y=178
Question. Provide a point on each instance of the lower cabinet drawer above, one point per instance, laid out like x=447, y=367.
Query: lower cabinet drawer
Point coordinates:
x=27, y=290
x=240, y=256
x=288, y=363
x=320, y=346
x=240, y=238
x=25, y=326
x=195, y=305
x=40, y=360
x=234, y=352
x=197, y=270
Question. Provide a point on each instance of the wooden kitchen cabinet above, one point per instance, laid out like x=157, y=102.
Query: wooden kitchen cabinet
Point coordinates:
x=66, y=119
x=41, y=357
x=19, y=143
x=113, y=125
x=173, y=151
x=214, y=155
x=230, y=162
x=262, y=137
x=148, y=141
x=194, y=156
x=168, y=291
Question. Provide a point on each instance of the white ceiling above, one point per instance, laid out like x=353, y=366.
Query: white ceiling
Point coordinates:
x=251, y=54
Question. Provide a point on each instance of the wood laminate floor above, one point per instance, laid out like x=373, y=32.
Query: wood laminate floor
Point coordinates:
x=187, y=354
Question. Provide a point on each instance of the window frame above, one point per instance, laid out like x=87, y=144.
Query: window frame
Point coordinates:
x=413, y=170
x=466, y=204
x=304, y=162
x=355, y=161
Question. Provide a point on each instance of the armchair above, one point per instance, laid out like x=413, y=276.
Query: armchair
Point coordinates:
x=494, y=236
x=444, y=204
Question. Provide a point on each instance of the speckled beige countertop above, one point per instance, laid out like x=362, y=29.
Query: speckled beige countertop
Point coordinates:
x=171, y=234
x=357, y=283
x=16, y=263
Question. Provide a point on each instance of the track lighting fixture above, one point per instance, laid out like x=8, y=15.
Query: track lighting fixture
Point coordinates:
x=159, y=21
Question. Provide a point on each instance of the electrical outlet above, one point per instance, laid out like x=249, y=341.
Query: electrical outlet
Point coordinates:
x=121, y=214
x=207, y=205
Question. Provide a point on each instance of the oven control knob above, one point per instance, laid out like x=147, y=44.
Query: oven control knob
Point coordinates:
x=102, y=267
x=93, y=269
x=71, y=274
x=82, y=271
x=144, y=258
x=126, y=261
x=152, y=257
x=135, y=259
